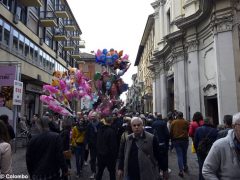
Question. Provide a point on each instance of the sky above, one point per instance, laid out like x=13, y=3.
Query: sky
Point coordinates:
x=117, y=24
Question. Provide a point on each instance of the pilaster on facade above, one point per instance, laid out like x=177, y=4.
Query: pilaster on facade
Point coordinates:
x=222, y=21
x=192, y=46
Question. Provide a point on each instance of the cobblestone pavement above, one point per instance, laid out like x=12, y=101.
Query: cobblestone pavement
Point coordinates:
x=19, y=166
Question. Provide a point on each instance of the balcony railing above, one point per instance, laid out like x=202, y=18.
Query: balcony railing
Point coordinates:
x=81, y=44
x=76, y=54
x=34, y=3
x=61, y=11
x=48, y=19
x=59, y=34
x=69, y=46
x=69, y=25
x=75, y=36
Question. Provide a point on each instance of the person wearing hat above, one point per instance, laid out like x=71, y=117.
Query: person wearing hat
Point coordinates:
x=207, y=130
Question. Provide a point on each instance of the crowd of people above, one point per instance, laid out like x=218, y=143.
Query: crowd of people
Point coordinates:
x=132, y=146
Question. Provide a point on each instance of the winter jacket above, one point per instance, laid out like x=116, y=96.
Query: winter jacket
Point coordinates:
x=222, y=162
x=78, y=136
x=44, y=156
x=91, y=134
x=203, y=131
x=144, y=160
x=161, y=131
x=193, y=127
x=107, y=141
x=179, y=129
x=5, y=158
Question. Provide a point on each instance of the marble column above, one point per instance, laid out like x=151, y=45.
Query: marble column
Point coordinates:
x=163, y=91
x=158, y=92
x=193, y=78
x=180, y=83
x=154, y=94
x=224, y=52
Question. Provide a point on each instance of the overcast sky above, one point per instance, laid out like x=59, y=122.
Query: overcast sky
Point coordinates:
x=117, y=24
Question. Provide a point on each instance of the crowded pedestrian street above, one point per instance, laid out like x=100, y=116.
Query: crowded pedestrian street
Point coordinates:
x=19, y=166
x=120, y=90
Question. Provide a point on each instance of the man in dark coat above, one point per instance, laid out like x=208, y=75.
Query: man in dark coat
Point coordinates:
x=44, y=156
x=106, y=149
x=5, y=119
x=161, y=132
x=141, y=155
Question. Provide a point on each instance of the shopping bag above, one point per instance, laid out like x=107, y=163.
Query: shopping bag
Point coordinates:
x=193, y=149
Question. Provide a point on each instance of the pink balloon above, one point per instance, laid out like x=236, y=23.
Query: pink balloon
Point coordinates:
x=50, y=89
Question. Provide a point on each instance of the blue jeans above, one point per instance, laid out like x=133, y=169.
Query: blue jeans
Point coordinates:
x=79, y=154
x=181, y=147
x=200, y=163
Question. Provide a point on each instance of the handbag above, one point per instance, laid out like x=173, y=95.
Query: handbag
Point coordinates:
x=67, y=154
x=193, y=148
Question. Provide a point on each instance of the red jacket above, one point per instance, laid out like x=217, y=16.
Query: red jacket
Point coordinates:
x=193, y=126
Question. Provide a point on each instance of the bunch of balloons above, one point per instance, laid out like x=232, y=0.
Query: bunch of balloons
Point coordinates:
x=65, y=88
x=108, y=83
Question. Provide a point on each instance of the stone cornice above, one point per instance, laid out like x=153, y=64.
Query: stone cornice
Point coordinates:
x=162, y=2
x=155, y=4
x=205, y=8
x=222, y=20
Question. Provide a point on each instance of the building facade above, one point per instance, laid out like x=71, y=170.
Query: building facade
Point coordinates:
x=144, y=74
x=196, y=60
x=40, y=36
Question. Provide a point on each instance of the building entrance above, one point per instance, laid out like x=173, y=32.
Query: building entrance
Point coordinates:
x=170, y=94
x=211, y=108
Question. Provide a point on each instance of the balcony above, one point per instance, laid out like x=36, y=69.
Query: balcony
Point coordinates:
x=76, y=54
x=48, y=19
x=33, y=3
x=59, y=34
x=80, y=44
x=68, y=46
x=69, y=25
x=75, y=36
x=61, y=11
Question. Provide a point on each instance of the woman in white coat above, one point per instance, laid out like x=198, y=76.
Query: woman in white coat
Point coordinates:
x=5, y=151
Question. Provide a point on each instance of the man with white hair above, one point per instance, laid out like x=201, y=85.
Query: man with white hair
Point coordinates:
x=223, y=160
x=140, y=158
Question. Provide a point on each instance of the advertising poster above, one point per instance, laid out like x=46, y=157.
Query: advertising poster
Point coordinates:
x=7, y=77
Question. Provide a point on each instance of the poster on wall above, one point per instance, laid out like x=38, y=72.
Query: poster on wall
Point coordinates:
x=7, y=77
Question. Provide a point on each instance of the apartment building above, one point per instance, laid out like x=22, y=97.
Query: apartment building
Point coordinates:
x=39, y=37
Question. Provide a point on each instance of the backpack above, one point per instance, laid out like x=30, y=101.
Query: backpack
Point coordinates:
x=205, y=145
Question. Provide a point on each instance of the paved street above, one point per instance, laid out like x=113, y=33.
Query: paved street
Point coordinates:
x=19, y=166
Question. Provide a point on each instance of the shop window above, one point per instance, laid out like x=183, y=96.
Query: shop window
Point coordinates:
x=15, y=40
x=1, y=29
x=31, y=50
x=21, y=44
x=35, y=56
x=6, y=33
x=27, y=45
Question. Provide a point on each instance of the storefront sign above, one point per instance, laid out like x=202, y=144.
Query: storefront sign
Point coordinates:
x=17, y=92
x=34, y=88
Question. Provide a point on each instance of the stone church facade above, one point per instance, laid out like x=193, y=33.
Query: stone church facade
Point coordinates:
x=196, y=62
